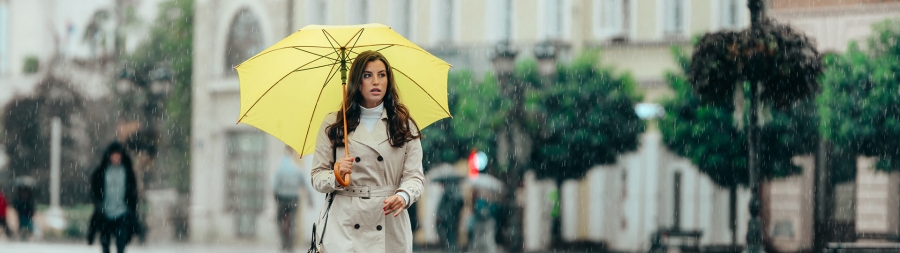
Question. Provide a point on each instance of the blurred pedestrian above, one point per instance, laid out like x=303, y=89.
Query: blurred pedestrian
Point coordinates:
x=3, y=215
x=482, y=225
x=25, y=207
x=287, y=183
x=450, y=205
x=386, y=167
x=114, y=195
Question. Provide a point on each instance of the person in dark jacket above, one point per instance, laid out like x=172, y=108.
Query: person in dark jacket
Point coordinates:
x=25, y=207
x=114, y=194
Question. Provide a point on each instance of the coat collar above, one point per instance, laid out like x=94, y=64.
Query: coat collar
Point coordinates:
x=375, y=137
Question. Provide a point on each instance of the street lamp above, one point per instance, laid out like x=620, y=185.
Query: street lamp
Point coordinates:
x=504, y=63
x=161, y=80
x=124, y=83
x=546, y=52
x=504, y=60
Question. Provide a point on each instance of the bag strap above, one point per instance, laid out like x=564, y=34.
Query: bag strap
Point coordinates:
x=329, y=197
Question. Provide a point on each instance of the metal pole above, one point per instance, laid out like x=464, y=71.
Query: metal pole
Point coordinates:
x=754, y=226
x=55, y=150
x=54, y=215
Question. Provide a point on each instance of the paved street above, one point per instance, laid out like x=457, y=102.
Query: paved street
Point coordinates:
x=19, y=247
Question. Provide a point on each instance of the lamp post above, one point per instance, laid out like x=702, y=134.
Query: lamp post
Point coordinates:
x=545, y=53
x=159, y=88
x=508, y=143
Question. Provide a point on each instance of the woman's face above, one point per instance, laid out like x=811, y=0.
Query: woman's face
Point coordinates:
x=374, y=83
x=115, y=158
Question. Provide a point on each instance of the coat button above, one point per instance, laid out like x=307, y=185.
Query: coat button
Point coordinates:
x=357, y=159
x=378, y=227
x=356, y=226
x=380, y=158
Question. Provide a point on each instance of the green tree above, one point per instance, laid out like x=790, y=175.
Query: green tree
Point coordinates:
x=477, y=111
x=860, y=104
x=171, y=43
x=705, y=133
x=585, y=117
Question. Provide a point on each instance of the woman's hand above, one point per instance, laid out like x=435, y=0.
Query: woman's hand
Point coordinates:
x=394, y=204
x=345, y=166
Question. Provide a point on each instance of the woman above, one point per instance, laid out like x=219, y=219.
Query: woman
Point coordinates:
x=369, y=215
x=115, y=197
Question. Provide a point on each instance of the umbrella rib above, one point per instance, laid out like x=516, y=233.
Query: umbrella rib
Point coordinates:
x=311, y=68
x=358, y=35
x=389, y=44
x=423, y=89
x=273, y=50
x=276, y=83
x=331, y=75
x=315, y=54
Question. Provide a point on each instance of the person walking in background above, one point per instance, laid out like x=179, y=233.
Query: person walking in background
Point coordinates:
x=24, y=206
x=386, y=165
x=114, y=195
x=287, y=182
x=448, y=215
x=3, y=215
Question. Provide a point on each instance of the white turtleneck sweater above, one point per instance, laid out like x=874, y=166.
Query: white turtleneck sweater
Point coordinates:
x=368, y=118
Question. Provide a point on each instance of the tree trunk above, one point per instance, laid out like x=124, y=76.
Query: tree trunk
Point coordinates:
x=556, y=232
x=822, y=210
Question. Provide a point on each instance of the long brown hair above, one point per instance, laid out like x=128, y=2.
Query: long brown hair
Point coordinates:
x=398, y=128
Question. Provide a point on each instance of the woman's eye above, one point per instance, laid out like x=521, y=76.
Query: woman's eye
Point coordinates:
x=381, y=75
x=367, y=75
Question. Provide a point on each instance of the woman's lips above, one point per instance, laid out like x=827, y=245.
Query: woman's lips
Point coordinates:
x=375, y=91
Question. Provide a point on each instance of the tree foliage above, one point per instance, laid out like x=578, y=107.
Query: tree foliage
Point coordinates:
x=585, y=117
x=860, y=102
x=785, y=62
x=714, y=138
x=478, y=110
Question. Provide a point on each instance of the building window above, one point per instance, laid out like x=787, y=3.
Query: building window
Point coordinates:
x=443, y=13
x=553, y=20
x=246, y=179
x=611, y=18
x=4, y=38
x=674, y=17
x=401, y=20
x=730, y=13
x=244, y=40
x=499, y=16
x=783, y=228
x=359, y=12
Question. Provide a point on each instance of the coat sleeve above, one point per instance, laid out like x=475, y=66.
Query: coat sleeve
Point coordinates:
x=413, y=180
x=322, y=172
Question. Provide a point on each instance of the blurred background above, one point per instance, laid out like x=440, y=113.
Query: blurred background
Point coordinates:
x=579, y=125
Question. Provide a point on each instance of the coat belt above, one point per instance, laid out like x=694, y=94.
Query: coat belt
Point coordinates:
x=367, y=191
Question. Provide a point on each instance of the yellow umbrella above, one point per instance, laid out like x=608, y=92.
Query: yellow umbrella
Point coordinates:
x=287, y=89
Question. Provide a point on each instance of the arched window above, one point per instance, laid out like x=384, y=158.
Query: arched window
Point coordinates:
x=244, y=40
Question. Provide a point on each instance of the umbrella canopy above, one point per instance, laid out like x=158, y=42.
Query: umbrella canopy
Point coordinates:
x=487, y=182
x=289, y=88
x=444, y=173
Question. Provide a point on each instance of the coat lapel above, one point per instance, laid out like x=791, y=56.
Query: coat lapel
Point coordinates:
x=375, y=137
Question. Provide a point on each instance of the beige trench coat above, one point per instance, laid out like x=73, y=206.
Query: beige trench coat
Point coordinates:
x=357, y=223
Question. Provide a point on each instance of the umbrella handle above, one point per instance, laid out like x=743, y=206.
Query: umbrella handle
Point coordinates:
x=337, y=174
x=345, y=181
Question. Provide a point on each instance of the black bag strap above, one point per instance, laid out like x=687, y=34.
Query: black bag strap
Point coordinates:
x=329, y=196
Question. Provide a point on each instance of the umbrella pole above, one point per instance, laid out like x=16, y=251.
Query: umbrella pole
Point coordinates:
x=345, y=181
